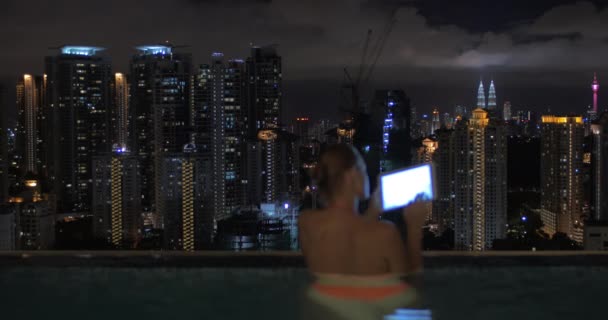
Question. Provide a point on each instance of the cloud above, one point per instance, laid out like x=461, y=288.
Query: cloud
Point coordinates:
x=313, y=35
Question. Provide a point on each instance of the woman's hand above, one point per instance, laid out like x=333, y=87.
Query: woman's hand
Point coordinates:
x=415, y=215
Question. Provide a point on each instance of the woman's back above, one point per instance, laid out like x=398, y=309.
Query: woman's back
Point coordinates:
x=336, y=241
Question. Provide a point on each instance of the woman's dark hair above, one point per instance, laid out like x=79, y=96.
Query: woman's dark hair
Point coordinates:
x=334, y=161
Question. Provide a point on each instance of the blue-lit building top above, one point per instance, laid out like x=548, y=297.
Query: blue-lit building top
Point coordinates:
x=80, y=50
x=156, y=50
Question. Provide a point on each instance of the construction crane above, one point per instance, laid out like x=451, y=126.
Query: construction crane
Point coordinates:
x=352, y=88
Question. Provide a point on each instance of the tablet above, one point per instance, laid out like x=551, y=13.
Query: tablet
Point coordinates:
x=402, y=187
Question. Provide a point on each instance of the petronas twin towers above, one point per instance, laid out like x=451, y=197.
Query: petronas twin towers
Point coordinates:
x=481, y=97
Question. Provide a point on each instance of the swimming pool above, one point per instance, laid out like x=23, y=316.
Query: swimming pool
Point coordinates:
x=459, y=292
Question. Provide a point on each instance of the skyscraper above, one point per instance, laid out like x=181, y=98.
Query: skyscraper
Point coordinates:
x=481, y=96
x=599, y=169
x=78, y=122
x=160, y=111
x=280, y=170
x=595, y=87
x=391, y=114
x=30, y=98
x=480, y=182
x=264, y=88
x=561, y=174
x=220, y=103
x=436, y=121
x=506, y=111
x=117, y=198
x=121, y=100
x=3, y=150
x=264, y=91
x=443, y=157
x=448, y=121
x=185, y=198
x=492, y=97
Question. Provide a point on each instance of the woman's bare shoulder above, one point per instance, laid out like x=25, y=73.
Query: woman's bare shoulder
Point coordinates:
x=308, y=216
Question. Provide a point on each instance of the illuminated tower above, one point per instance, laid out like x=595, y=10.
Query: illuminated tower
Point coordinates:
x=160, y=111
x=481, y=96
x=117, y=198
x=480, y=194
x=492, y=97
x=30, y=96
x=595, y=86
x=121, y=99
x=3, y=150
x=79, y=82
x=506, y=111
x=436, y=124
x=562, y=174
x=599, y=169
x=265, y=88
x=220, y=129
x=185, y=196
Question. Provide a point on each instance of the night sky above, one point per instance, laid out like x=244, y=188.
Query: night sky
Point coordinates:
x=541, y=54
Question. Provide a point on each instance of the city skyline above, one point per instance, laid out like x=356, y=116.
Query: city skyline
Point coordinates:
x=541, y=55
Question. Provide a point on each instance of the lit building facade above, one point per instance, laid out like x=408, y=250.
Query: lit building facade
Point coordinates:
x=117, y=217
x=506, y=111
x=481, y=96
x=443, y=158
x=30, y=99
x=561, y=174
x=185, y=198
x=221, y=130
x=436, y=124
x=8, y=227
x=492, y=97
x=78, y=122
x=280, y=165
x=599, y=169
x=480, y=197
x=264, y=72
x=121, y=109
x=35, y=218
x=160, y=110
x=4, y=163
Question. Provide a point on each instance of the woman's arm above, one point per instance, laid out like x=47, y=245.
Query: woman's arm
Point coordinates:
x=415, y=217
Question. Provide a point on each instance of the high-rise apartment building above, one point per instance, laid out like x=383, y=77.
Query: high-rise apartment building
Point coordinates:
x=8, y=227
x=280, y=165
x=480, y=190
x=79, y=105
x=443, y=158
x=160, y=111
x=30, y=101
x=264, y=72
x=599, y=169
x=506, y=111
x=117, y=198
x=3, y=149
x=561, y=174
x=221, y=130
x=392, y=114
x=35, y=218
x=264, y=92
x=185, y=197
x=121, y=110
x=436, y=124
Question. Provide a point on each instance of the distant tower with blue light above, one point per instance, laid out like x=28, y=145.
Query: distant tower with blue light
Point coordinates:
x=481, y=96
x=77, y=122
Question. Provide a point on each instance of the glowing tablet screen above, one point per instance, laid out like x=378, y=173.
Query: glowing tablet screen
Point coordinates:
x=400, y=188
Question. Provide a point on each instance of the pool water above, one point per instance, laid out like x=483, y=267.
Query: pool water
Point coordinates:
x=178, y=293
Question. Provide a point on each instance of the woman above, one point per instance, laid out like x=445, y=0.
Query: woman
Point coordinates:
x=357, y=260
